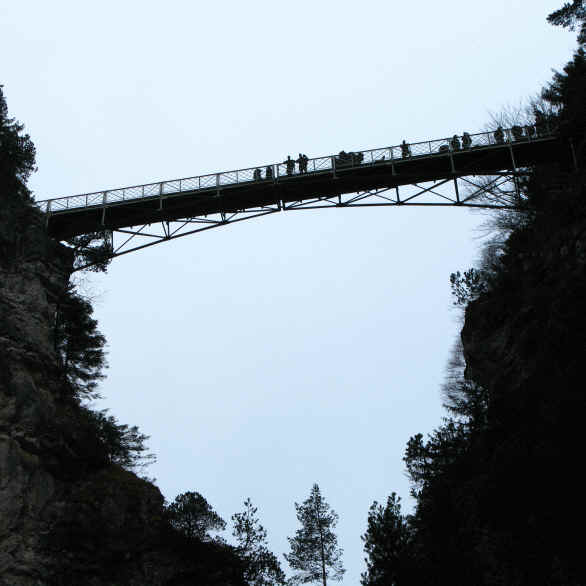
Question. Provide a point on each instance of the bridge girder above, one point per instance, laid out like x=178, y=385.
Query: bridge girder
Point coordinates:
x=497, y=191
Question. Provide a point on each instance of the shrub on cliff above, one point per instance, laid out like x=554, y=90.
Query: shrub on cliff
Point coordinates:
x=17, y=157
x=79, y=344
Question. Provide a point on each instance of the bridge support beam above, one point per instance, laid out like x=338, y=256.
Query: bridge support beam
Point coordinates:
x=499, y=191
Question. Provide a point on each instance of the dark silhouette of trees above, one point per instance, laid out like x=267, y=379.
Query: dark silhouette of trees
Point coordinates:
x=193, y=516
x=261, y=566
x=92, y=251
x=467, y=286
x=388, y=545
x=314, y=549
x=122, y=444
x=79, y=344
x=17, y=157
x=488, y=482
x=571, y=15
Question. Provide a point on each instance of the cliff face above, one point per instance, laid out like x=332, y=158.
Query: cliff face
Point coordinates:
x=533, y=324
x=66, y=516
x=524, y=342
x=33, y=272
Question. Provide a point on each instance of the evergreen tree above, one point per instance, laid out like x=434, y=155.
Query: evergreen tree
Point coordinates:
x=314, y=549
x=193, y=516
x=567, y=94
x=123, y=445
x=388, y=545
x=262, y=568
x=79, y=344
x=17, y=157
x=571, y=15
x=91, y=251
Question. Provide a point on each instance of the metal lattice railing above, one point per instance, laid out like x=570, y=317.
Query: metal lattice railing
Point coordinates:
x=282, y=171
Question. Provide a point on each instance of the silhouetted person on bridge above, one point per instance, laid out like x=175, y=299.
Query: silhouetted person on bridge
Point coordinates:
x=302, y=161
x=466, y=140
x=455, y=143
x=290, y=163
x=499, y=135
x=256, y=175
x=517, y=132
x=405, y=150
x=269, y=172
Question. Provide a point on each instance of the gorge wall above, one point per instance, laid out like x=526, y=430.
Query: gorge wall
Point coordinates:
x=67, y=516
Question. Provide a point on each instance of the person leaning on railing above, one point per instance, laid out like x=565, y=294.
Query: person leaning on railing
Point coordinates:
x=290, y=165
x=517, y=132
x=499, y=135
x=302, y=162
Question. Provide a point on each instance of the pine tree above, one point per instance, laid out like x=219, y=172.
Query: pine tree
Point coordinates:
x=124, y=445
x=262, y=567
x=193, y=516
x=388, y=545
x=80, y=345
x=314, y=549
x=571, y=15
x=17, y=158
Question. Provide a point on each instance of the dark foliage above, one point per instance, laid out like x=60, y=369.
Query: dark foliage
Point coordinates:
x=92, y=251
x=192, y=515
x=261, y=566
x=571, y=15
x=17, y=162
x=17, y=157
x=79, y=344
x=468, y=286
x=122, y=444
x=567, y=94
x=496, y=500
x=388, y=545
x=314, y=549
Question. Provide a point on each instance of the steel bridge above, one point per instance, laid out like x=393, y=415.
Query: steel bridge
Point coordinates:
x=456, y=171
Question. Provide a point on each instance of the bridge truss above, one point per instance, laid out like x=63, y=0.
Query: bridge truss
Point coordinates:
x=488, y=192
x=474, y=171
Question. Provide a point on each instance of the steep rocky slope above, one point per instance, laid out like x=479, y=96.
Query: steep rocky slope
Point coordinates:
x=66, y=515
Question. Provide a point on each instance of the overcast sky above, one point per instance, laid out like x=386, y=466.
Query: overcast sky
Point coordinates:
x=265, y=356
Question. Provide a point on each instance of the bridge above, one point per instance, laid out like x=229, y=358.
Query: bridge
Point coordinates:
x=471, y=166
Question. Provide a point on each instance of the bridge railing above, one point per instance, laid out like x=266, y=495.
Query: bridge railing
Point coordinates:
x=282, y=171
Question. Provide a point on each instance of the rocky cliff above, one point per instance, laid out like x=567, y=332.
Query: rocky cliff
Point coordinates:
x=66, y=515
x=524, y=342
x=532, y=324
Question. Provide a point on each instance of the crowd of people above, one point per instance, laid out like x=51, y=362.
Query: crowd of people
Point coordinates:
x=456, y=143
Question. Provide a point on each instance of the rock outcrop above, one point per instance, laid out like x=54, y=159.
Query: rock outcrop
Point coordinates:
x=532, y=325
x=67, y=516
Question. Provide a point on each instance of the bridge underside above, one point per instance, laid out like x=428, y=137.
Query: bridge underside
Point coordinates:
x=475, y=177
x=497, y=191
x=300, y=188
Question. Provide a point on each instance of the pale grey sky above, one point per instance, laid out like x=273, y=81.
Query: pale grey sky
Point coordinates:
x=300, y=348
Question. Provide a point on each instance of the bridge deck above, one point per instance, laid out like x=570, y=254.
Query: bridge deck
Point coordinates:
x=325, y=177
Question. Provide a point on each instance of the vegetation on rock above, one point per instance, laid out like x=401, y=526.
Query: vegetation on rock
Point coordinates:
x=493, y=504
